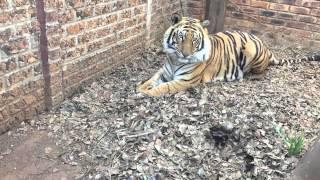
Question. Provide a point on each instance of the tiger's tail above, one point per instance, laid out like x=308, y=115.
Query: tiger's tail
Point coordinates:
x=280, y=62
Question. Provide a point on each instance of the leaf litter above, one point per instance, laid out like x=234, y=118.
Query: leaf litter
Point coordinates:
x=214, y=131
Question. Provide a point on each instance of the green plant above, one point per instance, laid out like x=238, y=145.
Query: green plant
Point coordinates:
x=294, y=143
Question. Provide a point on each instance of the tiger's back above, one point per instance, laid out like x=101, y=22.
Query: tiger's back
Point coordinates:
x=235, y=53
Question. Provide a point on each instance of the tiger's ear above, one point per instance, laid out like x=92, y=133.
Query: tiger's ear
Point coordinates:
x=205, y=23
x=175, y=18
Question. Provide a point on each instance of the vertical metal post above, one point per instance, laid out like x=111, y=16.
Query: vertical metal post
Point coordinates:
x=41, y=16
x=215, y=13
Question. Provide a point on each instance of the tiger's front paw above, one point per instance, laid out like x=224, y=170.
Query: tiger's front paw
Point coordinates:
x=143, y=87
x=151, y=93
x=147, y=90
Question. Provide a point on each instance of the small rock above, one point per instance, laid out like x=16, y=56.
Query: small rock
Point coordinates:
x=8, y=151
x=227, y=126
x=201, y=172
x=98, y=176
x=32, y=122
x=48, y=150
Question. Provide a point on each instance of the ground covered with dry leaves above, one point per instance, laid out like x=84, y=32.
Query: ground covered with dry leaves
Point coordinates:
x=214, y=131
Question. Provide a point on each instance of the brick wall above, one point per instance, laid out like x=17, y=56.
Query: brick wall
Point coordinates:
x=21, y=82
x=85, y=38
x=160, y=12
x=295, y=21
x=194, y=8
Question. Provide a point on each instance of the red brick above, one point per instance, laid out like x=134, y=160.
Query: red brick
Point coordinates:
x=130, y=23
x=54, y=41
x=296, y=25
x=315, y=12
x=299, y=10
x=9, y=65
x=27, y=59
x=103, y=32
x=16, y=107
x=307, y=19
x=103, y=9
x=5, y=17
x=67, y=16
x=18, y=3
x=54, y=54
x=125, y=14
x=29, y=99
x=284, y=15
x=68, y=42
x=138, y=10
x=289, y=2
x=75, y=3
x=118, y=26
x=92, y=24
x=5, y=113
x=19, y=76
x=310, y=4
x=85, y=12
x=54, y=29
x=54, y=4
x=86, y=37
x=101, y=43
x=3, y=4
x=249, y=10
x=316, y=36
x=52, y=16
x=132, y=3
x=195, y=11
x=54, y=68
x=195, y=4
x=245, y=2
x=260, y=4
x=5, y=35
x=76, y=28
x=1, y=84
x=19, y=15
x=15, y=46
x=279, y=7
x=315, y=28
x=277, y=22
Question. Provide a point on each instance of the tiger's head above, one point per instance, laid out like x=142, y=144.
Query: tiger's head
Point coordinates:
x=187, y=38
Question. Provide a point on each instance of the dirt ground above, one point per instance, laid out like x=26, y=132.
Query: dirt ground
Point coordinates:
x=108, y=131
x=32, y=155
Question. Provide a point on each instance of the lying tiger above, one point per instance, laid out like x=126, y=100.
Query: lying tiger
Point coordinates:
x=195, y=57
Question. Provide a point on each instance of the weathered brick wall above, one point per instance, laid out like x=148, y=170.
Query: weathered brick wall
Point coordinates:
x=161, y=11
x=296, y=21
x=21, y=82
x=88, y=37
x=85, y=38
x=195, y=8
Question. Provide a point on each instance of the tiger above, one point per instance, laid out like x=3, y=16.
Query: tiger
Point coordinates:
x=195, y=57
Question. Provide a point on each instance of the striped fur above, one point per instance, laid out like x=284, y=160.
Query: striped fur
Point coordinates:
x=194, y=57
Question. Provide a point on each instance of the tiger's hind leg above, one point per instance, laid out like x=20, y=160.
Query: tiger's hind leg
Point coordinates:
x=260, y=65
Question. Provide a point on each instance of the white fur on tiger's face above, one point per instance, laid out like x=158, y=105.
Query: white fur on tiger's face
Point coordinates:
x=188, y=40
